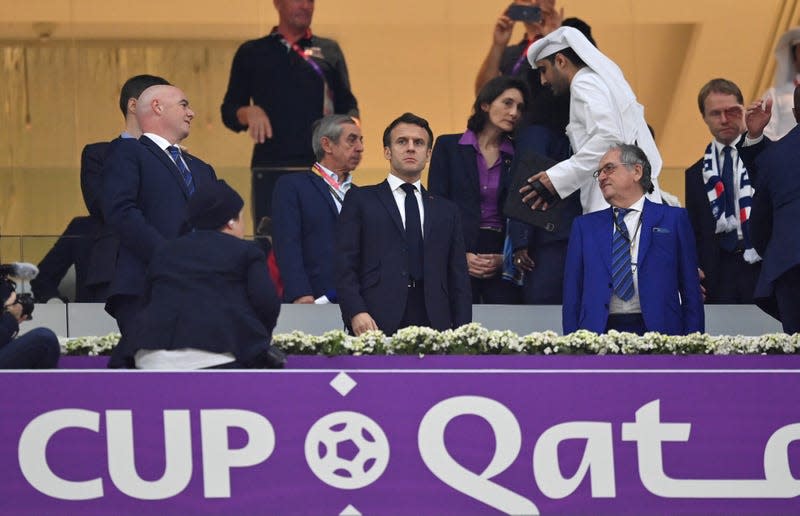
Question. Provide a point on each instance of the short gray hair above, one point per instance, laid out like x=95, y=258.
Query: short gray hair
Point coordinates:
x=633, y=155
x=329, y=127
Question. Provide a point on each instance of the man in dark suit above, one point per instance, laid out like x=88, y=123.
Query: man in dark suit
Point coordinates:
x=210, y=301
x=148, y=183
x=401, y=259
x=631, y=267
x=775, y=216
x=719, y=189
x=306, y=206
x=105, y=244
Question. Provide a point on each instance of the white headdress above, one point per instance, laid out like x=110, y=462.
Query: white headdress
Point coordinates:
x=784, y=69
x=632, y=113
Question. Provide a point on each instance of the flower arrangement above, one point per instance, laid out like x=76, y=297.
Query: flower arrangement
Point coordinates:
x=473, y=339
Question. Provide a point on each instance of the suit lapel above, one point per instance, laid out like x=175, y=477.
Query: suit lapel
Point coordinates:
x=651, y=215
x=427, y=226
x=159, y=153
x=599, y=235
x=469, y=165
x=322, y=188
x=387, y=198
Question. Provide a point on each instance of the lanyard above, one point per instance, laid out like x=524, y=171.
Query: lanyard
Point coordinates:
x=333, y=186
x=523, y=56
x=327, y=105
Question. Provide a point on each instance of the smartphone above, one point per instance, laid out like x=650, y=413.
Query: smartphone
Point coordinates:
x=524, y=13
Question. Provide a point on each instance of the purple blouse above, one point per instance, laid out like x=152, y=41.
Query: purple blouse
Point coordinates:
x=489, y=180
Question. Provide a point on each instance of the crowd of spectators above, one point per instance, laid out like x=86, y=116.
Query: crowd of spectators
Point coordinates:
x=551, y=109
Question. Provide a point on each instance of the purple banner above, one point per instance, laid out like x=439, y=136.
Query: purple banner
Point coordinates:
x=376, y=435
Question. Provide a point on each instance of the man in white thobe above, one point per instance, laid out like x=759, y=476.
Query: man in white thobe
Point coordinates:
x=603, y=112
x=787, y=77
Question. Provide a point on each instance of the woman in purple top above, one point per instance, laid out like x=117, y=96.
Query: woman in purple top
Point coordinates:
x=472, y=170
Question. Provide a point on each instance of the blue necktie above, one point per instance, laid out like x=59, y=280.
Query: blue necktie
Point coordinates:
x=728, y=240
x=187, y=175
x=413, y=232
x=621, y=271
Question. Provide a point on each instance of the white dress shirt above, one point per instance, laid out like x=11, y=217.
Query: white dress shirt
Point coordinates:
x=400, y=198
x=342, y=188
x=163, y=143
x=633, y=224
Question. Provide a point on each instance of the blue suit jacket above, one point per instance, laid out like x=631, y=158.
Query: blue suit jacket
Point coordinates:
x=776, y=211
x=372, y=260
x=669, y=286
x=144, y=201
x=304, y=235
x=453, y=174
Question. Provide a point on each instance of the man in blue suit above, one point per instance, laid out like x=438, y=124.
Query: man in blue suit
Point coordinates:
x=774, y=219
x=631, y=267
x=305, y=208
x=147, y=185
x=400, y=257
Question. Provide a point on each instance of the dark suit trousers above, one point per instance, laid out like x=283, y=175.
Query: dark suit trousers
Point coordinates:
x=416, y=313
x=787, y=294
x=736, y=279
x=544, y=285
x=124, y=309
x=37, y=349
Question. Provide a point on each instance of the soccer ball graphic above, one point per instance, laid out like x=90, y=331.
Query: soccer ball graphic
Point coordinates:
x=347, y=450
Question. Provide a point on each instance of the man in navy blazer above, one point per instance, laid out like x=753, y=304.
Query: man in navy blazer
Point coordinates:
x=722, y=235
x=774, y=219
x=105, y=244
x=400, y=251
x=305, y=207
x=146, y=190
x=631, y=267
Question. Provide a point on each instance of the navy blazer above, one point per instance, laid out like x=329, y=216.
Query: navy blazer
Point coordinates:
x=211, y=291
x=775, y=214
x=453, y=174
x=92, y=158
x=669, y=287
x=303, y=235
x=703, y=222
x=372, y=260
x=144, y=201
x=105, y=243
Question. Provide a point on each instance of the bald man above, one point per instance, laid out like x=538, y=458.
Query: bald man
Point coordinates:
x=147, y=185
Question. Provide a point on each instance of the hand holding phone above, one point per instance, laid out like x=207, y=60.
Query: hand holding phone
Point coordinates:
x=524, y=13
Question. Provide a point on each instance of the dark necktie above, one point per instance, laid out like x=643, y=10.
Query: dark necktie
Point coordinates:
x=413, y=232
x=728, y=240
x=621, y=272
x=185, y=173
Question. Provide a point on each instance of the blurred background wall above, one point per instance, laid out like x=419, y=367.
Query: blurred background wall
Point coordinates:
x=62, y=63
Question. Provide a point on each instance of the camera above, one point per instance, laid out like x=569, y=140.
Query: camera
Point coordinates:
x=24, y=272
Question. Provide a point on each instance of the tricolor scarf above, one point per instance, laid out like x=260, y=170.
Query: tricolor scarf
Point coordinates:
x=716, y=198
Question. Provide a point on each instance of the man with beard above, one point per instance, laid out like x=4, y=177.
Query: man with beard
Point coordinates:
x=603, y=111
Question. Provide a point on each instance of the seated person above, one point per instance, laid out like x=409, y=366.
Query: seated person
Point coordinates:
x=209, y=301
x=37, y=349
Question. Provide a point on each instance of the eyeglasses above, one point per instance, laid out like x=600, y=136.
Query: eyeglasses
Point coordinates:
x=608, y=169
x=731, y=112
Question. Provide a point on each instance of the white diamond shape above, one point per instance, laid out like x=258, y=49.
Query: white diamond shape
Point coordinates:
x=343, y=384
x=349, y=510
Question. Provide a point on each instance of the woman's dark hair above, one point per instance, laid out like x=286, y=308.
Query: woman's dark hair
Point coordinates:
x=490, y=91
